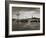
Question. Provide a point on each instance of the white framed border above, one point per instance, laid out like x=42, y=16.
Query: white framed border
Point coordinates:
x=25, y=32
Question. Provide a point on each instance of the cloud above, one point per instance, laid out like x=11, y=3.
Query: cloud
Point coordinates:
x=25, y=12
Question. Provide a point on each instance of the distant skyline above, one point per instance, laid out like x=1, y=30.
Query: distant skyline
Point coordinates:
x=24, y=13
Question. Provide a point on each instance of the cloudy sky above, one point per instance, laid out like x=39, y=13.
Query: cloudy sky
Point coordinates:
x=23, y=13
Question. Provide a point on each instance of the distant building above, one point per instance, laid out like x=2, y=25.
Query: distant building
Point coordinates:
x=34, y=19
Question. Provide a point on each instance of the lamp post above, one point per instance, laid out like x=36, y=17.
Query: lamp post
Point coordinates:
x=17, y=14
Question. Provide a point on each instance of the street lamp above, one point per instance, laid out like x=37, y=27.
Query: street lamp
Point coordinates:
x=18, y=14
